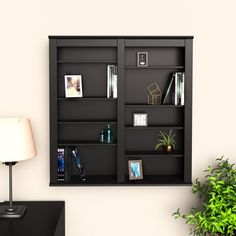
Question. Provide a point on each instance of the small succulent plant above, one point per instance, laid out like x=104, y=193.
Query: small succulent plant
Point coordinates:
x=166, y=140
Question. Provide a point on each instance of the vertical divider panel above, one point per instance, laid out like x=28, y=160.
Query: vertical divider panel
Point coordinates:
x=121, y=111
x=188, y=112
x=53, y=108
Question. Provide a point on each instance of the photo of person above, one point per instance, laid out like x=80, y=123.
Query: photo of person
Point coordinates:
x=135, y=169
x=73, y=85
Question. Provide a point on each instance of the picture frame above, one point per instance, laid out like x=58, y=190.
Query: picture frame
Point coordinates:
x=135, y=169
x=73, y=86
x=140, y=119
x=142, y=59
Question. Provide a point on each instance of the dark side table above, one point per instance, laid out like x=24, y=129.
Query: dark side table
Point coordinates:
x=42, y=218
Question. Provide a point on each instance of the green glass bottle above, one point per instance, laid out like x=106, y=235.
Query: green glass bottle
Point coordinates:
x=109, y=136
x=102, y=137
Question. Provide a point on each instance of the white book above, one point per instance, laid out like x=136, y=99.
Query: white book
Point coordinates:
x=174, y=94
x=179, y=75
x=176, y=90
x=114, y=82
x=109, y=77
x=114, y=86
x=111, y=81
x=178, y=96
x=182, y=89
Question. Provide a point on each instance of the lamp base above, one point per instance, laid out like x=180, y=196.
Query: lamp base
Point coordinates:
x=16, y=211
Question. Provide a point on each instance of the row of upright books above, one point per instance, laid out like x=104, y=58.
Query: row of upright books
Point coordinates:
x=176, y=89
x=66, y=159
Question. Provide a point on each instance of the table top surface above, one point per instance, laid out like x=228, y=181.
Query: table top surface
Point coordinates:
x=41, y=219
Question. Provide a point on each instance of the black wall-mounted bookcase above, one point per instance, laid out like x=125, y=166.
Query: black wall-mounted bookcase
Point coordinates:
x=78, y=121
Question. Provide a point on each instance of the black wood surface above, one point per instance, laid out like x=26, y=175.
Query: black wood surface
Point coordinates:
x=76, y=122
x=117, y=37
x=42, y=218
x=53, y=108
x=188, y=113
x=121, y=111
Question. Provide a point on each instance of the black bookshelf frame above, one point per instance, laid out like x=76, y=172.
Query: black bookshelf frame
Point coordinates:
x=107, y=163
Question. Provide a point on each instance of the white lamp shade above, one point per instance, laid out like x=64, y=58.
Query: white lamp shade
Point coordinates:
x=16, y=139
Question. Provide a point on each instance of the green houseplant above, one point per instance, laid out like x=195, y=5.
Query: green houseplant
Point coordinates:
x=166, y=141
x=217, y=214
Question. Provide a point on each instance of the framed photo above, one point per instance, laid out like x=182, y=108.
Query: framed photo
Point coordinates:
x=140, y=119
x=142, y=59
x=73, y=86
x=135, y=169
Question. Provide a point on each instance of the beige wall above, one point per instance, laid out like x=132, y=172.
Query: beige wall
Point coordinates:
x=105, y=211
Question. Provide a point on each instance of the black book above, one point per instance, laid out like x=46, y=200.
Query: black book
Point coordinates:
x=61, y=164
x=76, y=159
x=169, y=88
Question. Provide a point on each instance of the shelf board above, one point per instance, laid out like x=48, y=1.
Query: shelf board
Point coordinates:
x=87, y=61
x=111, y=180
x=152, y=127
x=158, y=180
x=145, y=154
x=85, y=143
x=91, y=180
x=70, y=122
x=87, y=99
x=132, y=105
x=154, y=67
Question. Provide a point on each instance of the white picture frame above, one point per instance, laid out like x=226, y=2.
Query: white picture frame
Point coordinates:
x=140, y=119
x=73, y=86
x=142, y=59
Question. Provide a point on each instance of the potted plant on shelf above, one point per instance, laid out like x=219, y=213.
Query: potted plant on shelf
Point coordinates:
x=217, y=214
x=166, y=141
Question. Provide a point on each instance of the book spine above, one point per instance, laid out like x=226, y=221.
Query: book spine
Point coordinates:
x=182, y=82
x=67, y=166
x=76, y=158
x=114, y=82
x=108, y=81
x=175, y=90
x=168, y=89
x=61, y=164
x=179, y=75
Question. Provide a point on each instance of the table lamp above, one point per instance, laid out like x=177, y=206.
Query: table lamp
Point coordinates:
x=16, y=144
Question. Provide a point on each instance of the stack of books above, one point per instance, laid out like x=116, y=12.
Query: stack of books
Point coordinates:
x=111, y=81
x=176, y=87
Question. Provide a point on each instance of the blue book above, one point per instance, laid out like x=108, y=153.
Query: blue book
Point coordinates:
x=61, y=164
x=76, y=158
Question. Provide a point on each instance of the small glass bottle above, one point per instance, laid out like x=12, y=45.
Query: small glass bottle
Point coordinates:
x=102, y=137
x=109, y=136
